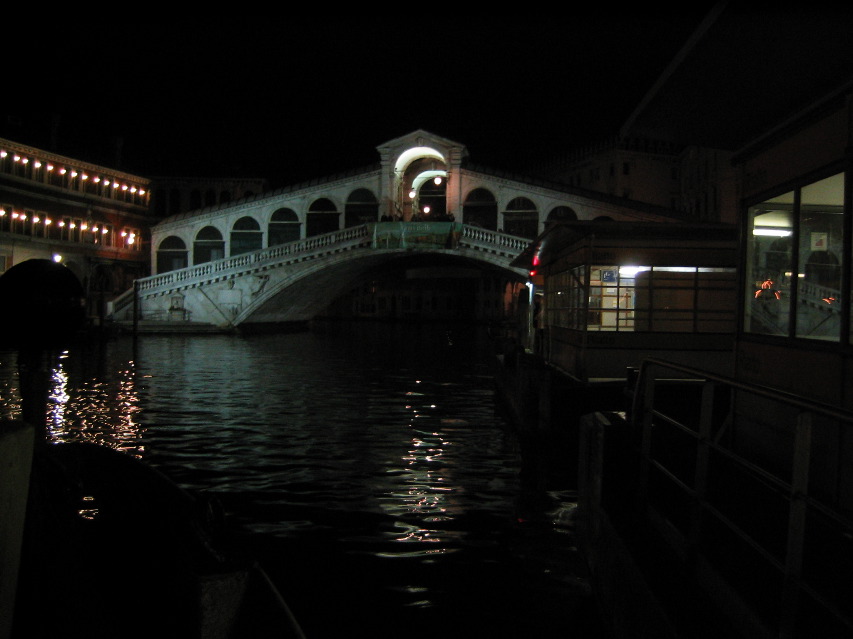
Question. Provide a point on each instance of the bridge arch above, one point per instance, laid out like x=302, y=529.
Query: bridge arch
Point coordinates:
x=208, y=246
x=171, y=254
x=246, y=236
x=284, y=226
x=323, y=217
x=481, y=209
x=416, y=196
x=362, y=207
x=308, y=292
x=417, y=153
x=521, y=218
x=562, y=214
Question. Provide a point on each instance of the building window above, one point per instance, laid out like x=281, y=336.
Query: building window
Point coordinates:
x=681, y=299
x=795, y=259
x=129, y=239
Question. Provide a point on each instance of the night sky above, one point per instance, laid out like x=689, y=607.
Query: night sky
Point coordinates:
x=289, y=100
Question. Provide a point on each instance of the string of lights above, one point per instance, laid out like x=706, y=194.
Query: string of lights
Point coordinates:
x=73, y=174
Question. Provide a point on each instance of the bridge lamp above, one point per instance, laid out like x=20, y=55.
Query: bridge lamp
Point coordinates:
x=413, y=193
x=437, y=180
x=427, y=209
x=57, y=258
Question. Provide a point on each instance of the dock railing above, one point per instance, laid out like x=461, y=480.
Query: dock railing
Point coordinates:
x=752, y=489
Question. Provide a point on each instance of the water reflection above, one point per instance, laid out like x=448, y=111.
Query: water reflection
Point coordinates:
x=348, y=457
x=95, y=410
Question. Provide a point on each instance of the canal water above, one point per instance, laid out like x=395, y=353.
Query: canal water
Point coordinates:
x=369, y=467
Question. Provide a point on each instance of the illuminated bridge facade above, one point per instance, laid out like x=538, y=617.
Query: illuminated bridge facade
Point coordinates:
x=285, y=255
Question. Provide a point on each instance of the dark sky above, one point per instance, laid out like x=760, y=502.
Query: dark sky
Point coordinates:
x=289, y=100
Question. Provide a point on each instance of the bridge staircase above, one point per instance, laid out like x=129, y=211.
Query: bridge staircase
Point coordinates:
x=145, y=308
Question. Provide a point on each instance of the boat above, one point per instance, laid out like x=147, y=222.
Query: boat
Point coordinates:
x=112, y=547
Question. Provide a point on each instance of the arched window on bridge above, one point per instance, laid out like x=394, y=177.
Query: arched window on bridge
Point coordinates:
x=560, y=214
x=246, y=236
x=284, y=227
x=521, y=218
x=481, y=209
x=171, y=255
x=361, y=207
x=208, y=246
x=323, y=217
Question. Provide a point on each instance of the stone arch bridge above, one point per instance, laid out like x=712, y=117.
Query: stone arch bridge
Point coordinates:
x=284, y=255
x=293, y=282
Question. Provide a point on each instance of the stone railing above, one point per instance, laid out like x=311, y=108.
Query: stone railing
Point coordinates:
x=357, y=237
x=492, y=241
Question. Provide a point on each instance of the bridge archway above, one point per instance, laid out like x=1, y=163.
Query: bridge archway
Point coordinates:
x=560, y=214
x=171, y=254
x=481, y=209
x=209, y=245
x=283, y=227
x=389, y=276
x=521, y=218
x=323, y=217
x=246, y=236
x=362, y=207
x=421, y=174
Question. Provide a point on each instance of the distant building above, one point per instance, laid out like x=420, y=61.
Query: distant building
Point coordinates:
x=691, y=180
x=173, y=195
x=92, y=218
x=739, y=459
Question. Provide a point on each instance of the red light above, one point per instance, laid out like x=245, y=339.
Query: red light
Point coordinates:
x=533, y=272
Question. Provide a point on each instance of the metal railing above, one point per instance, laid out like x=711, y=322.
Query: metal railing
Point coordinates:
x=751, y=486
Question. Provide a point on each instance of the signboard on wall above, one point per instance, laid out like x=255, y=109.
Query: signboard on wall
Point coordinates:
x=820, y=241
x=416, y=234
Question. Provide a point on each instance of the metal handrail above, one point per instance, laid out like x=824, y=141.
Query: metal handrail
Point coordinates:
x=648, y=415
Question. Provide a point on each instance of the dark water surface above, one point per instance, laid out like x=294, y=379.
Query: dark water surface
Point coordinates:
x=370, y=467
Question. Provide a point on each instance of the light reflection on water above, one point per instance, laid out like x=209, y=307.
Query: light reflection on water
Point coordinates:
x=344, y=449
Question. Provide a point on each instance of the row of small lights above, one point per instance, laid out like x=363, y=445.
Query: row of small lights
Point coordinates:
x=131, y=237
x=83, y=176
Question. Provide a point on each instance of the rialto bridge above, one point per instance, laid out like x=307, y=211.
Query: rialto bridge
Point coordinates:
x=284, y=255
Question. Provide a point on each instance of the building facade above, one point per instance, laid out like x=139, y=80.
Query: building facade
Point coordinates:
x=173, y=195
x=92, y=218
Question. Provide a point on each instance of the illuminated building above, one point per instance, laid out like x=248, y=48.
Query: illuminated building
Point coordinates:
x=92, y=218
x=738, y=468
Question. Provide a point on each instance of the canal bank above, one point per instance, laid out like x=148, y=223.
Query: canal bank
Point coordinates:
x=582, y=436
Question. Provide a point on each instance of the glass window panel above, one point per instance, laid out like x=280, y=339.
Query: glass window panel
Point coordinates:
x=769, y=266
x=820, y=259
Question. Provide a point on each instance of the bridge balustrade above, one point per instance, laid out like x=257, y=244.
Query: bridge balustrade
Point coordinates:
x=410, y=235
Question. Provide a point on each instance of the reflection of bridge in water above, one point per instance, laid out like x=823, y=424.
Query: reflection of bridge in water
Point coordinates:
x=295, y=281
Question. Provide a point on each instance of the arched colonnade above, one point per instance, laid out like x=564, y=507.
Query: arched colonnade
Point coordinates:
x=217, y=239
